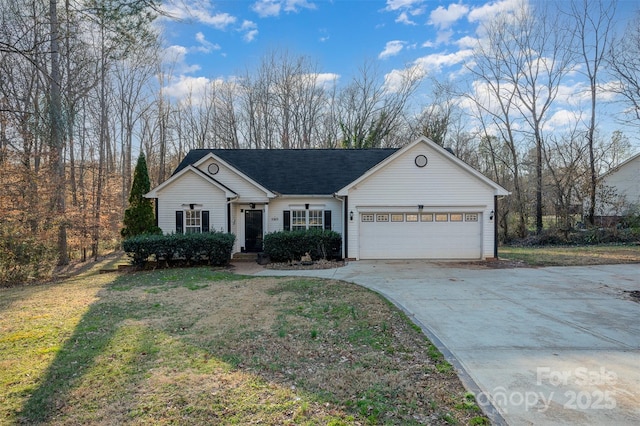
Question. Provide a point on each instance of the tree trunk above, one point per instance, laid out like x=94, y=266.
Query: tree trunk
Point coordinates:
x=57, y=137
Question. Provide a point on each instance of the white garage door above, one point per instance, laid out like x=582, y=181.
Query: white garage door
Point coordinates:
x=420, y=236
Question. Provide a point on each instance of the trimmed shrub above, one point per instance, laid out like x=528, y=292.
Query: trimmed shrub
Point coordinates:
x=214, y=248
x=288, y=246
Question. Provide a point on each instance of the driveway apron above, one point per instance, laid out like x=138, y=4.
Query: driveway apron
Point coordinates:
x=543, y=346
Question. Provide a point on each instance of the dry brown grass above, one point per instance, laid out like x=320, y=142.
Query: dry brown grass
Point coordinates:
x=202, y=347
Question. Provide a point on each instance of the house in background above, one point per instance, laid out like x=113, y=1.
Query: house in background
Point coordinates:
x=619, y=192
x=415, y=202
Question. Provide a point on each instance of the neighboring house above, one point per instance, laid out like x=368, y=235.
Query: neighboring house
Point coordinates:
x=618, y=192
x=416, y=202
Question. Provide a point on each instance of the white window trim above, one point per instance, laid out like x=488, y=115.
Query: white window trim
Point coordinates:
x=198, y=222
x=307, y=225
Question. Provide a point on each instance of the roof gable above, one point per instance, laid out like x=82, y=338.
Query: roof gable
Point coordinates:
x=296, y=171
x=458, y=163
x=190, y=169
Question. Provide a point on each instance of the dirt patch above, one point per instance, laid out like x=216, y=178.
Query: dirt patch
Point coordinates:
x=485, y=264
x=319, y=264
x=632, y=295
x=339, y=342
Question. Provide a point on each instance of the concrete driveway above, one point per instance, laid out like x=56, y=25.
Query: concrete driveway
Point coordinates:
x=535, y=345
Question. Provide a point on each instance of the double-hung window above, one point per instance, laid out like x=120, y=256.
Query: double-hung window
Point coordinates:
x=306, y=219
x=299, y=220
x=193, y=222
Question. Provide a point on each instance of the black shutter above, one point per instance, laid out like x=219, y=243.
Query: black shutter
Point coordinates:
x=179, y=222
x=327, y=220
x=286, y=220
x=205, y=221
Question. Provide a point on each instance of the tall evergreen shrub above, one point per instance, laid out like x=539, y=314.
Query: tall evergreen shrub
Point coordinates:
x=139, y=217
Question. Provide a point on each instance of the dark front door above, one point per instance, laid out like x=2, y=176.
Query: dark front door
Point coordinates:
x=253, y=230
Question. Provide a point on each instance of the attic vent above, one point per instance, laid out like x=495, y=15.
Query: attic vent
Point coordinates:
x=421, y=160
x=213, y=168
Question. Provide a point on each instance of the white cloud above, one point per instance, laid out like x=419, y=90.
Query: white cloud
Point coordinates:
x=175, y=57
x=435, y=62
x=396, y=79
x=250, y=30
x=201, y=11
x=187, y=86
x=391, y=49
x=403, y=18
x=205, y=45
x=489, y=11
x=326, y=80
x=269, y=8
x=444, y=18
x=402, y=4
x=562, y=119
x=467, y=42
x=266, y=8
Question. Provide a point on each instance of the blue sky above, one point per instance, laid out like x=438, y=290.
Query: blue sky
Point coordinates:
x=222, y=39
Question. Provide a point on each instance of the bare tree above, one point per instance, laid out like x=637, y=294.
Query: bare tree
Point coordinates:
x=370, y=109
x=624, y=63
x=592, y=22
x=526, y=52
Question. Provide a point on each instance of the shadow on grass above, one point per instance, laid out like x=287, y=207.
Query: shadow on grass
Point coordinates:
x=123, y=364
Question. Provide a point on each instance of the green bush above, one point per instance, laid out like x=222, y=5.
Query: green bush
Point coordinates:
x=24, y=258
x=214, y=248
x=288, y=246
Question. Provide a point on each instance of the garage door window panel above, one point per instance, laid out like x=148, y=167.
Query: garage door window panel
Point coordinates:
x=471, y=217
x=426, y=217
x=456, y=217
x=412, y=217
x=397, y=218
x=442, y=217
x=367, y=218
x=382, y=217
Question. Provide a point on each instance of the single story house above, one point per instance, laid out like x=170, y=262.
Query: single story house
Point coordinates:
x=415, y=202
x=618, y=193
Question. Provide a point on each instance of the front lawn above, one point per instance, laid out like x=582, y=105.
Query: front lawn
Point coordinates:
x=197, y=346
x=572, y=255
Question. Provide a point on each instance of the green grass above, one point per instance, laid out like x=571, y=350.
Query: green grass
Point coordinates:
x=159, y=347
x=572, y=255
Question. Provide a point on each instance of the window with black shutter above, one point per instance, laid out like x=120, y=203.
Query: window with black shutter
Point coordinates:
x=286, y=220
x=205, y=220
x=179, y=222
x=327, y=220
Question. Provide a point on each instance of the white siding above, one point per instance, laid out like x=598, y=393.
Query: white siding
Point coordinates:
x=246, y=190
x=624, y=182
x=273, y=214
x=440, y=186
x=191, y=188
x=279, y=205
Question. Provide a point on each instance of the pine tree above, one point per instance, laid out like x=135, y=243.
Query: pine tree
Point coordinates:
x=139, y=217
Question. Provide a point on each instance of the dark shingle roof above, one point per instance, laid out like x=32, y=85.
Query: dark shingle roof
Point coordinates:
x=297, y=171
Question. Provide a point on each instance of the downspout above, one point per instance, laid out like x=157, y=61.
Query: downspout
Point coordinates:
x=346, y=227
x=495, y=227
x=156, y=208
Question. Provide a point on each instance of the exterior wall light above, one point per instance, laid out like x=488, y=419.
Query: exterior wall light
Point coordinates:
x=351, y=215
x=491, y=215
